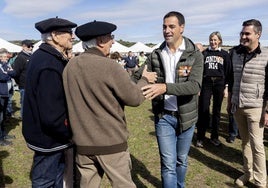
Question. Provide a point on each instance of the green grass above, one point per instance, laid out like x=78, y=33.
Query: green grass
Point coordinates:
x=209, y=167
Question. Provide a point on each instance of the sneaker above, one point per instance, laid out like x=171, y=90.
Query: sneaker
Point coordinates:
x=215, y=142
x=5, y=142
x=230, y=139
x=9, y=137
x=242, y=180
x=199, y=143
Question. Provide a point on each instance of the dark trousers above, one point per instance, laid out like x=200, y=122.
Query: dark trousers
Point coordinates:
x=212, y=86
x=3, y=109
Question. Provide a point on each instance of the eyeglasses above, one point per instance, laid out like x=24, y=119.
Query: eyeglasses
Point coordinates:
x=67, y=31
x=30, y=46
x=70, y=32
x=110, y=36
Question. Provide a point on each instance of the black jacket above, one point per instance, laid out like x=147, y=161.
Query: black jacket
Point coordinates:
x=20, y=66
x=45, y=126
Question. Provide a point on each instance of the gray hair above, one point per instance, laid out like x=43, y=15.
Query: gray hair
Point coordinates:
x=89, y=44
x=46, y=37
x=3, y=51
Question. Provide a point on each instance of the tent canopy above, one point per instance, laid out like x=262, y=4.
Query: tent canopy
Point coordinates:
x=9, y=46
x=117, y=47
x=77, y=48
x=157, y=45
x=140, y=47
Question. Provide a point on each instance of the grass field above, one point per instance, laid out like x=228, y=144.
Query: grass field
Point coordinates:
x=209, y=167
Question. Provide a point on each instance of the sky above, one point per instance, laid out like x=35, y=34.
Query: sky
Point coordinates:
x=136, y=20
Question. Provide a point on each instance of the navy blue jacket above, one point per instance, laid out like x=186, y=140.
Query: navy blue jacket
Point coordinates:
x=45, y=126
x=130, y=62
x=5, y=78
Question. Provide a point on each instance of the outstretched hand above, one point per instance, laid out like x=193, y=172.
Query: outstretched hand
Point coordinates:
x=153, y=90
x=151, y=76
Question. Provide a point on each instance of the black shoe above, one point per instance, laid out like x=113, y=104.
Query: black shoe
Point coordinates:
x=216, y=142
x=230, y=139
x=5, y=142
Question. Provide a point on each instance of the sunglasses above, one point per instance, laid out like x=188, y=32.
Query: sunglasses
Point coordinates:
x=30, y=46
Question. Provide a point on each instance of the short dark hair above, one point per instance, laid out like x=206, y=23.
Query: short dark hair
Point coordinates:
x=179, y=16
x=256, y=23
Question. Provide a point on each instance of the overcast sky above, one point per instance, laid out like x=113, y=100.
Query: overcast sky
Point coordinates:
x=137, y=20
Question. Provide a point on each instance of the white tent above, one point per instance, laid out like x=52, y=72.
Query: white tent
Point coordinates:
x=156, y=46
x=9, y=46
x=117, y=47
x=77, y=48
x=140, y=47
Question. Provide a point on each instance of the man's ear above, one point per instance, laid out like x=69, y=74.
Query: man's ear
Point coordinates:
x=259, y=33
x=54, y=36
x=100, y=41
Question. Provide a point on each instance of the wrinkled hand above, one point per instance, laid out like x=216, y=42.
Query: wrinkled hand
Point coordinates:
x=151, y=76
x=153, y=90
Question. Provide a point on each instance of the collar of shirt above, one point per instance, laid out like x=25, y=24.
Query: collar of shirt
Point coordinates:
x=243, y=50
x=218, y=49
x=180, y=49
x=171, y=60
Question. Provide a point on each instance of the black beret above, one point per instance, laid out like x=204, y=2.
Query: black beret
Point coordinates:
x=94, y=29
x=27, y=42
x=54, y=24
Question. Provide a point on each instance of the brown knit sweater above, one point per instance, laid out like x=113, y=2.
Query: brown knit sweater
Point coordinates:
x=97, y=89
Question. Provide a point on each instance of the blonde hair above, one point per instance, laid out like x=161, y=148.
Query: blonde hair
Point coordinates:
x=218, y=34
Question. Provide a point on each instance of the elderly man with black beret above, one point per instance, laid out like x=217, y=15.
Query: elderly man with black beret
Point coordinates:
x=45, y=123
x=97, y=89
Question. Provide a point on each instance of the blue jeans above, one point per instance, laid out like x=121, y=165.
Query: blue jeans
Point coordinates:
x=47, y=170
x=21, y=101
x=174, y=149
x=9, y=105
x=233, y=129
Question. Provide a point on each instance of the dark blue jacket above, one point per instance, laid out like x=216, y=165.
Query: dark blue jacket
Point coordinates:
x=45, y=126
x=5, y=78
x=130, y=62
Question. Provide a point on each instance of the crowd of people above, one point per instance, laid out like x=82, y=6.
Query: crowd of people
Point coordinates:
x=67, y=103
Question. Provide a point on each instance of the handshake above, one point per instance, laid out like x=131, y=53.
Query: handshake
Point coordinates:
x=153, y=89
